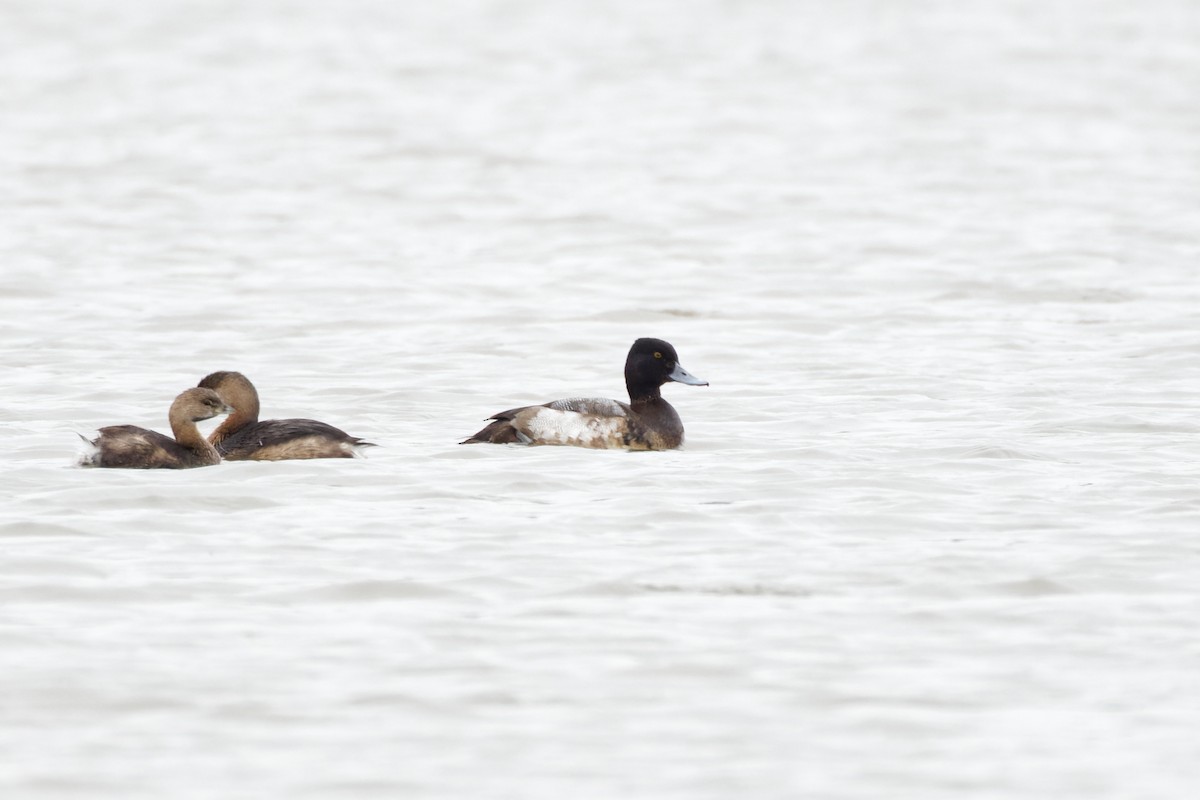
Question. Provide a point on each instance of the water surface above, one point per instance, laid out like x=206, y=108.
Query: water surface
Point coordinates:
x=933, y=533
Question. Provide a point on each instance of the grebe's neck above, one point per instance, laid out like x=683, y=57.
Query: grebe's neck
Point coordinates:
x=188, y=435
x=234, y=423
x=242, y=395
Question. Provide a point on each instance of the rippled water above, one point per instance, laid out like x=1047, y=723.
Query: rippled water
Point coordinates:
x=933, y=533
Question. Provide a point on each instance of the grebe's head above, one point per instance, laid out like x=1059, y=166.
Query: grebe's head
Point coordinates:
x=199, y=404
x=235, y=389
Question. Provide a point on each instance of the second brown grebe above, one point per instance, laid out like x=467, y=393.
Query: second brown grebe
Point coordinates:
x=243, y=437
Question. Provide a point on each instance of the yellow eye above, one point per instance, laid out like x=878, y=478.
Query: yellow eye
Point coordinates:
x=658, y=355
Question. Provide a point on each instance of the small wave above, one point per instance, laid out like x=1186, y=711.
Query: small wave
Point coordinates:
x=998, y=451
x=38, y=529
x=747, y=590
x=1117, y=423
x=48, y=566
x=1032, y=587
x=625, y=589
x=365, y=592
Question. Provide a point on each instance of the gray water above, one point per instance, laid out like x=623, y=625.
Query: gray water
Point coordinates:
x=933, y=531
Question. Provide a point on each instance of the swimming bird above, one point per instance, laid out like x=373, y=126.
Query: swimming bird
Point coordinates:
x=646, y=422
x=131, y=447
x=242, y=437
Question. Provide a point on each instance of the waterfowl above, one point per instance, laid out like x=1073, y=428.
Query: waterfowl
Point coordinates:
x=646, y=422
x=131, y=447
x=242, y=437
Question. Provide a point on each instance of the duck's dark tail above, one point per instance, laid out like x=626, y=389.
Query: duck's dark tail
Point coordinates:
x=500, y=431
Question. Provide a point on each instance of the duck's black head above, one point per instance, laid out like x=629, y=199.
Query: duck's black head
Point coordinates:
x=651, y=363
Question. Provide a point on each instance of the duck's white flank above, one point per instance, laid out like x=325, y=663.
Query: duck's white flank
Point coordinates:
x=593, y=428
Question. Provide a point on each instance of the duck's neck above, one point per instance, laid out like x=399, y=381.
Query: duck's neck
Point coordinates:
x=243, y=415
x=641, y=394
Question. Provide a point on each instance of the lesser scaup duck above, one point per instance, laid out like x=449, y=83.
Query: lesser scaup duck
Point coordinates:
x=646, y=422
x=131, y=447
x=242, y=437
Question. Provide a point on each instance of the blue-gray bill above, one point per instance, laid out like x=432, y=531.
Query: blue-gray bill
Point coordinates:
x=683, y=376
